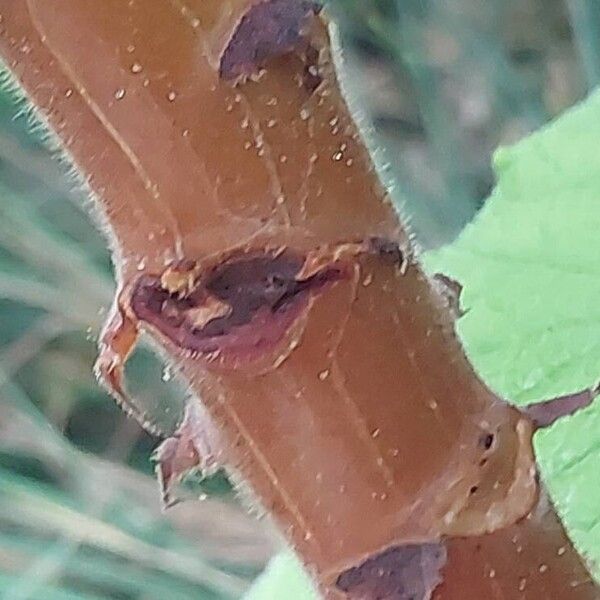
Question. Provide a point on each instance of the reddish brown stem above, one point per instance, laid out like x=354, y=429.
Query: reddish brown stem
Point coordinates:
x=333, y=388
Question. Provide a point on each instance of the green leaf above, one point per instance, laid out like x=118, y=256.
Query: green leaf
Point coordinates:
x=529, y=265
x=568, y=455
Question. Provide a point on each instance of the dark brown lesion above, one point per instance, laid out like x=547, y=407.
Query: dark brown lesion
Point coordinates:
x=269, y=29
x=410, y=572
x=243, y=306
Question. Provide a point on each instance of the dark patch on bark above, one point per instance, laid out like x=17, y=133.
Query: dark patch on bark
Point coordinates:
x=244, y=305
x=546, y=413
x=269, y=29
x=487, y=440
x=409, y=572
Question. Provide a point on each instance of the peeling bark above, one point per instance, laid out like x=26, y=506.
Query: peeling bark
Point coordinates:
x=254, y=243
x=546, y=413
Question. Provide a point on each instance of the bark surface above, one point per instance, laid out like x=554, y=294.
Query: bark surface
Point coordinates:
x=254, y=243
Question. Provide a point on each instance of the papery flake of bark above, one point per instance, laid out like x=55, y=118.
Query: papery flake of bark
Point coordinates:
x=190, y=449
x=253, y=241
x=546, y=413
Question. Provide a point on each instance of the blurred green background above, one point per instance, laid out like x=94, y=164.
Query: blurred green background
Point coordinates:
x=442, y=83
